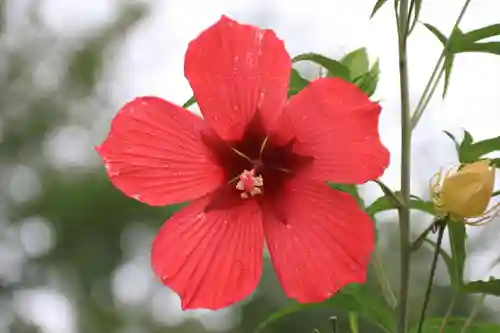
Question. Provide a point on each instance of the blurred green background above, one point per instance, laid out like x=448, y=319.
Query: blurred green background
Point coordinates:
x=74, y=251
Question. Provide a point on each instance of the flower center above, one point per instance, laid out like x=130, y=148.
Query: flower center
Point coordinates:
x=250, y=184
x=246, y=162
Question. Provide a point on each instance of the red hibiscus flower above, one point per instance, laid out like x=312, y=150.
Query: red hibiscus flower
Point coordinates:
x=254, y=168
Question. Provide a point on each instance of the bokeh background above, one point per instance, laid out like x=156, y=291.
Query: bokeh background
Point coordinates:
x=74, y=251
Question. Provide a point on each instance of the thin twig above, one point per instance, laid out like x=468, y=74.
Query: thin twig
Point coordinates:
x=448, y=313
x=428, y=290
x=473, y=313
x=385, y=286
x=335, y=324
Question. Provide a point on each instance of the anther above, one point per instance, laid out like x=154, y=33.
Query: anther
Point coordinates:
x=250, y=184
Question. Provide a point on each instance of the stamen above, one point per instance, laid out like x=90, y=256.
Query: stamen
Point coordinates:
x=250, y=184
x=488, y=216
x=241, y=154
x=263, y=146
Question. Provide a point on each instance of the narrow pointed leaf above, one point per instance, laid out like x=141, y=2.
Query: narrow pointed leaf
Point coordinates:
x=491, y=287
x=487, y=146
x=189, y=102
x=482, y=33
x=416, y=14
x=442, y=38
x=471, y=151
x=455, y=325
x=452, y=137
x=468, y=139
x=387, y=203
x=335, y=68
x=377, y=6
x=491, y=47
x=448, y=64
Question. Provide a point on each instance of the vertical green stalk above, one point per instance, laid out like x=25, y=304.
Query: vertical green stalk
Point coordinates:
x=404, y=211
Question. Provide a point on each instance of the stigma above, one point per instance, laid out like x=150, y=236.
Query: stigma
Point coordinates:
x=250, y=184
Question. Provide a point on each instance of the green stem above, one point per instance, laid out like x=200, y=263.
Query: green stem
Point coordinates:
x=353, y=322
x=335, y=324
x=385, y=286
x=404, y=211
x=428, y=290
x=431, y=85
x=473, y=313
x=428, y=92
x=448, y=313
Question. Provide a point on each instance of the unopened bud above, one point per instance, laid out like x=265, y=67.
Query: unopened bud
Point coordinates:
x=464, y=193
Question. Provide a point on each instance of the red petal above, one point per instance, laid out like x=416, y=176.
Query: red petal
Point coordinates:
x=155, y=154
x=336, y=123
x=235, y=70
x=211, y=260
x=319, y=240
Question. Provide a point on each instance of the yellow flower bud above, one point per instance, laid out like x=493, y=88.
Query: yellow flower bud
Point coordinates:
x=465, y=193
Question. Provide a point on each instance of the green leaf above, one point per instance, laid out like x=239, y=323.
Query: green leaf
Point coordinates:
x=470, y=151
x=297, y=83
x=285, y=311
x=482, y=33
x=349, y=189
x=357, y=62
x=455, y=141
x=448, y=64
x=352, y=298
x=377, y=6
x=189, y=102
x=467, y=140
x=465, y=42
x=335, y=68
x=491, y=47
x=484, y=147
x=368, y=82
x=386, y=203
x=442, y=38
x=449, y=56
x=416, y=14
x=457, y=234
x=491, y=287
x=465, y=154
x=455, y=324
